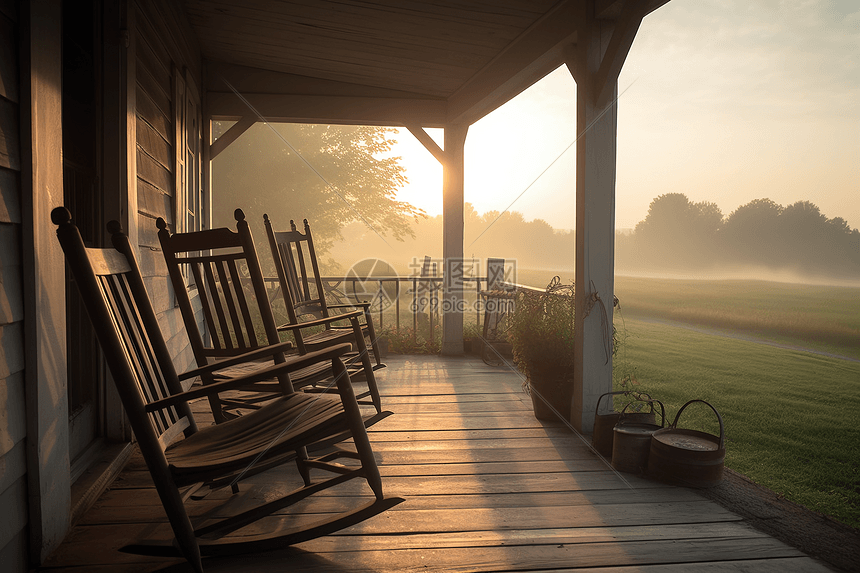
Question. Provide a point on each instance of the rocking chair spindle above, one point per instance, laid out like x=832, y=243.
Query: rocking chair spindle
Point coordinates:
x=304, y=295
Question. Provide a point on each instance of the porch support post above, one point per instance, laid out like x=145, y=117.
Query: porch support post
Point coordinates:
x=206, y=165
x=596, y=125
x=120, y=121
x=452, y=241
x=48, y=478
x=119, y=158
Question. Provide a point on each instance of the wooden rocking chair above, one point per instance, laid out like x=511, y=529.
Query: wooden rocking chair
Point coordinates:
x=305, y=296
x=231, y=310
x=282, y=430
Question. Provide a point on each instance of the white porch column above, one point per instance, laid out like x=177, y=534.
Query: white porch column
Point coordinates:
x=596, y=122
x=452, y=240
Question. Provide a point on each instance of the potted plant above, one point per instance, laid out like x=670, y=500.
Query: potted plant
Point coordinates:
x=542, y=335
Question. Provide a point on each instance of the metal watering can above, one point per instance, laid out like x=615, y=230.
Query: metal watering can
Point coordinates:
x=687, y=457
x=603, y=435
x=632, y=441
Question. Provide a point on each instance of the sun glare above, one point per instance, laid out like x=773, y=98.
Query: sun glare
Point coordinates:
x=723, y=119
x=515, y=157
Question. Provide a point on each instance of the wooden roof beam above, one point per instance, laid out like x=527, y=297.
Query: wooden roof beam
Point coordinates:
x=328, y=109
x=238, y=91
x=623, y=34
x=611, y=9
x=429, y=143
x=533, y=55
x=231, y=135
x=608, y=9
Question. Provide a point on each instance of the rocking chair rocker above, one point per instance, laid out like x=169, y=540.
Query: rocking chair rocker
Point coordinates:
x=280, y=431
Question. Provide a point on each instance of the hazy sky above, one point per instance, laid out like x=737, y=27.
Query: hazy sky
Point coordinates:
x=725, y=101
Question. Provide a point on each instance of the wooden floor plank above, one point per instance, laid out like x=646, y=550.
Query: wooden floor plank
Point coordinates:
x=447, y=421
x=778, y=565
x=567, y=445
x=91, y=546
x=399, y=527
x=498, y=519
x=137, y=506
x=546, y=536
x=484, y=468
x=283, y=562
x=477, y=455
x=475, y=408
x=379, y=434
x=492, y=484
x=505, y=400
x=487, y=487
x=514, y=558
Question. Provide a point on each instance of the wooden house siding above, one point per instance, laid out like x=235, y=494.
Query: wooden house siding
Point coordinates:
x=10, y=155
x=154, y=136
x=13, y=426
x=163, y=50
x=33, y=504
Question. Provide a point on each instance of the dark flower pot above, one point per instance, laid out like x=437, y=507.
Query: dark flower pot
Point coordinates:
x=555, y=389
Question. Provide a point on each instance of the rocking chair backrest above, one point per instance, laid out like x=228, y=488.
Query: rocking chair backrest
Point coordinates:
x=223, y=267
x=114, y=295
x=297, y=268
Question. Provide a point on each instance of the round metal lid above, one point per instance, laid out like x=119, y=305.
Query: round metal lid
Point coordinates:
x=687, y=442
x=637, y=429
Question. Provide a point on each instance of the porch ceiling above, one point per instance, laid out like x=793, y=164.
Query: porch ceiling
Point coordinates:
x=403, y=62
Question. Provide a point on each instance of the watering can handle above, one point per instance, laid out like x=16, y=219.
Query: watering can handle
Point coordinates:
x=719, y=419
x=597, y=406
x=650, y=401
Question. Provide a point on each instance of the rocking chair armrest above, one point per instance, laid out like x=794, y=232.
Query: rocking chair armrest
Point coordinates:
x=319, y=321
x=270, y=350
x=292, y=364
x=363, y=305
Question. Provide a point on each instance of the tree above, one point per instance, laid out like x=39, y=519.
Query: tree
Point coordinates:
x=800, y=231
x=677, y=233
x=815, y=243
x=663, y=222
x=846, y=245
x=751, y=233
x=330, y=175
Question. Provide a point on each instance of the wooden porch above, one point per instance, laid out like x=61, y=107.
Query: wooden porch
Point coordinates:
x=487, y=488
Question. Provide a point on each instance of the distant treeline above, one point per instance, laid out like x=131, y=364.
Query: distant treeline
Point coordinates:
x=532, y=244
x=678, y=235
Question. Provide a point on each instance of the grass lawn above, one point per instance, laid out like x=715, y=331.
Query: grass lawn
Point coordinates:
x=824, y=318
x=792, y=418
